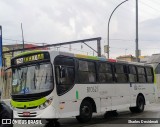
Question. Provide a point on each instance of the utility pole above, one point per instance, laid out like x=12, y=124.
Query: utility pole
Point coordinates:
x=99, y=47
x=137, y=50
x=1, y=48
x=22, y=36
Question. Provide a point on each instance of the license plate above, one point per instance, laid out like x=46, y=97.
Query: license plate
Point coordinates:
x=26, y=113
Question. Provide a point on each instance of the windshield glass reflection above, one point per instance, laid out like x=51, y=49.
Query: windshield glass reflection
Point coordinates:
x=32, y=79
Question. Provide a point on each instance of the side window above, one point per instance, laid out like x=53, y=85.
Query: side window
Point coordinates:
x=149, y=74
x=141, y=75
x=132, y=73
x=65, y=74
x=157, y=69
x=121, y=73
x=86, y=72
x=105, y=73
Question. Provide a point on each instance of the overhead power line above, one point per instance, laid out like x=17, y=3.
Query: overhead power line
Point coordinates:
x=64, y=43
x=114, y=39
x=150, y=6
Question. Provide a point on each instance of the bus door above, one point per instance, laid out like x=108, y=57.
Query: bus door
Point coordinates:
x=65, y=76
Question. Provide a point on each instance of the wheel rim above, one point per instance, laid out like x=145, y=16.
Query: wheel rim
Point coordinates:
x=140, y=104
x=86, y=111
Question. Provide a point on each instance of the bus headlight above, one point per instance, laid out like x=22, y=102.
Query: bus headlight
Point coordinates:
x=46, y=103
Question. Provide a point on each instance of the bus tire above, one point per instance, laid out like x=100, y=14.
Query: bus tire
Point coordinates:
x=140, y=103
x=85, y=112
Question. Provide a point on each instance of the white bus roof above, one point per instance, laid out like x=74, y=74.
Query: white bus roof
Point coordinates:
x=84, y=56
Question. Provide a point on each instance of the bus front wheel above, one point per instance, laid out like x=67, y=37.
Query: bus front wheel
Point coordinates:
x=85, y=112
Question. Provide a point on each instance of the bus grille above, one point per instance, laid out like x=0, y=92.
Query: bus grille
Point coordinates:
x=27, y=107
x=32, y=114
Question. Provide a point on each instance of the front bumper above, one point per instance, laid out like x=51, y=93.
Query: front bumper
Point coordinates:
x=47, y=113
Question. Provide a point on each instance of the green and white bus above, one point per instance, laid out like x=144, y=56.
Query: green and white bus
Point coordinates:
x=54, y=84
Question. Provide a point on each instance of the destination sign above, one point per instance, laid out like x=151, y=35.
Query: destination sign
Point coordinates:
x=30, y=58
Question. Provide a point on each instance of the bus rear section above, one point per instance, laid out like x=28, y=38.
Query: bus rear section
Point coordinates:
x=154, y=60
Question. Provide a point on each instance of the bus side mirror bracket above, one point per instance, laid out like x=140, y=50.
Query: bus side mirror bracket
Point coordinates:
x=62, y=72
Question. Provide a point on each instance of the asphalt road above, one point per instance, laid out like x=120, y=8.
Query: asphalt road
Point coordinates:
x=151, y=111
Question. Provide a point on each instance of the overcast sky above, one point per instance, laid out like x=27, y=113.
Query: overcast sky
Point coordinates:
x=54, y=21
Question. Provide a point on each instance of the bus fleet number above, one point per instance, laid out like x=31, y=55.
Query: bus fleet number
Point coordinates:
x=92, y=89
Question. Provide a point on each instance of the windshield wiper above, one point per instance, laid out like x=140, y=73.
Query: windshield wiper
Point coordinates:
x=46, y=78
x=25, y=76
x=34, y=80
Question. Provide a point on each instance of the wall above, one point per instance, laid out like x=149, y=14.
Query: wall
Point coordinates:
x=5, y=83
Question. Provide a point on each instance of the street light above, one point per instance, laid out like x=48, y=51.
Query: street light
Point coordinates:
x=22, y=36
x=109, y=22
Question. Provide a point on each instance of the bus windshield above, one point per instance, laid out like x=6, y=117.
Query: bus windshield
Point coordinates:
x=30, y=79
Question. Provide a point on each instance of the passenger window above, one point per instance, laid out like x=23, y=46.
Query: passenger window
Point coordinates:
x=105, y=68
x=141, y=70
x=86, y=72
x=132, y=74
x=149, y=73
x=105, y=73
x=121, y=73
x=141, y=75
x=157, y=69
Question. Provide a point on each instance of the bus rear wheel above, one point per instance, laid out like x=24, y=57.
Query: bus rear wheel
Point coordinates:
x=139, y=105
x=85, y=112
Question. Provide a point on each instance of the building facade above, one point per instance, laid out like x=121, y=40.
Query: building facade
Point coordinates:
x=129, y=58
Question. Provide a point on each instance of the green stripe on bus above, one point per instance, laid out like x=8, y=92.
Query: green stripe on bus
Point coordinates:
x=28, y=52
x=93, y=57
x=86, y=57
x=77, y=95
x=28, y=104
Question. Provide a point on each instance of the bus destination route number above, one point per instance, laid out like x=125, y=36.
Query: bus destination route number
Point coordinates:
x=30, y=58
x=92, y=89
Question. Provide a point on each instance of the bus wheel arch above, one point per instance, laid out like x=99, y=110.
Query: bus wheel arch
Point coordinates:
x=94, y=108
x=86, y=109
